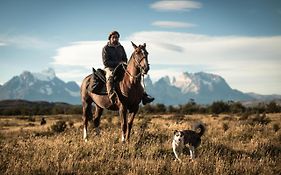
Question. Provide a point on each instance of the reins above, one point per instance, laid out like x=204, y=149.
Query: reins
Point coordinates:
x=132, y=76
x=139, y=74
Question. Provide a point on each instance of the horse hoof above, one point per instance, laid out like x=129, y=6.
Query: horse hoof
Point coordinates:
x=97, y=132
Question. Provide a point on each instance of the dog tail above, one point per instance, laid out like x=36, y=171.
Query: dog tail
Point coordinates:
x=201, y=127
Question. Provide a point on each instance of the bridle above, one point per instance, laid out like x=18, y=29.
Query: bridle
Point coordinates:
x=138, y=65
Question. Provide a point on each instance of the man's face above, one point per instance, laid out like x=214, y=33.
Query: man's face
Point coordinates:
x=114, y=39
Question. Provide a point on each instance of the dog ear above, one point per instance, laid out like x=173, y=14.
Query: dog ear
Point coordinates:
x=175, y=131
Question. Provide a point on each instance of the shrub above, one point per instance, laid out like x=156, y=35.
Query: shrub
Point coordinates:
x=70, y=123
x=219, y=107
x=275, y=127
x=272, y=107
x=261, y=119
x=31, y=119
x=59, y=126
x=237, y=107
x=225, y=127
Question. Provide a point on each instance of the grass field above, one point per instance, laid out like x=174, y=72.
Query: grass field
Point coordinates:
x=231, y=145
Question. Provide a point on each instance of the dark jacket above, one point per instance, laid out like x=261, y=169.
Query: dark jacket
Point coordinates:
x=113, y=55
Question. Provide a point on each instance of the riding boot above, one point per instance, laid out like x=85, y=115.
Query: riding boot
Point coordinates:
x=146, y=98
x=110, y=90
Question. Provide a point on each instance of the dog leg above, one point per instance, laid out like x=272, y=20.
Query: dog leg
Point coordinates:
x=175, y=152
x=191, y=150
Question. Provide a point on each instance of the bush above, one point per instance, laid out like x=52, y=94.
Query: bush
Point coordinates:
x=219, y=107
x=59, y=126
x=71, y=124
x=272, y=107
x=237, y=107
x=225, y=127
x=275, y=127
x=261, y=119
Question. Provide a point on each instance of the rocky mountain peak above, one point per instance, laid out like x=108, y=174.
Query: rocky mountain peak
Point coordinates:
x=45, y=75
x=40, y=86
x=204, y=88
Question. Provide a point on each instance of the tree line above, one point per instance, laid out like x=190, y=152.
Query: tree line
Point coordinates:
x=216, y=107
x=45, y=108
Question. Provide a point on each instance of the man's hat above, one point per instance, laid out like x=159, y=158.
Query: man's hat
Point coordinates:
x=113, y=33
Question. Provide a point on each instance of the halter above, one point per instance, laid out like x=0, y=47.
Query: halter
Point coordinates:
x=141, y=72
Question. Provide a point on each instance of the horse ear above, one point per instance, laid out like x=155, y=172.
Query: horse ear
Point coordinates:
x=144, y=45
x=134, y=45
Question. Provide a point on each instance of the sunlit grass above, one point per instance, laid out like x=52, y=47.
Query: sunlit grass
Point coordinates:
x=231, y=145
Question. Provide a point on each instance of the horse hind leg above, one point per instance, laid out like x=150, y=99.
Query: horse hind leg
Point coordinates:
x=87, y=115
x=96, y=120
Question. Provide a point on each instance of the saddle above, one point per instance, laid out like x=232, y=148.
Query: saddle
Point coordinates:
x=97, y=83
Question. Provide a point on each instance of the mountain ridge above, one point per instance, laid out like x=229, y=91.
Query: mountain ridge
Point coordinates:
x=202, y=87
x=36, y=86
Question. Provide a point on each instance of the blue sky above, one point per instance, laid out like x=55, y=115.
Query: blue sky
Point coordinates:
x=237, y=39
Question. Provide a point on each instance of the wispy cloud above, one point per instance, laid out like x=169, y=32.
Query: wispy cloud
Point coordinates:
x=172, y=24
x=175, y=5
x=22, y=41
x=3, y=44
x=242, y=61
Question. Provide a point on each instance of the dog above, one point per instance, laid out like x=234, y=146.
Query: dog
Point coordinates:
x=189, y=138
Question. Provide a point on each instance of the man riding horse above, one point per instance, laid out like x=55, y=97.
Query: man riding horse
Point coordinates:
x=113, y=54
x=129, y=90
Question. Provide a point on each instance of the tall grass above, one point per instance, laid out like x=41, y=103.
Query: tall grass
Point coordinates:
x=229, y=146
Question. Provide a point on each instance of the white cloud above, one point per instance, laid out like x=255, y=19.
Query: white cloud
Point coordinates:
x=3, y=44
x=247, y=63
x=175, y=5
x=172, y=24
x=83, y=53
x=22, y=41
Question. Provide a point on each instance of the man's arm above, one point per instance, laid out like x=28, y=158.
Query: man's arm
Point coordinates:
x=124, y=57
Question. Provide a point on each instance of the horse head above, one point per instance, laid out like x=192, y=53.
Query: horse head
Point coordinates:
x=140, y=57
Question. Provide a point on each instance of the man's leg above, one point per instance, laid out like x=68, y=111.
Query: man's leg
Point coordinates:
x=109, y=85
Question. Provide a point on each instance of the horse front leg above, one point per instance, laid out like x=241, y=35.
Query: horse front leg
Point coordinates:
x=96, y=121
x=130, y=124
x=124, y=121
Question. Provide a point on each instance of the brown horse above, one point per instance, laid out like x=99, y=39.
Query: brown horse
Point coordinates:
x=129, y=94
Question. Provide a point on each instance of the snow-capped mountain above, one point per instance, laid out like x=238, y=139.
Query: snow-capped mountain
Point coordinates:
x=194, y=83
x=40, y=86
x=202, y=87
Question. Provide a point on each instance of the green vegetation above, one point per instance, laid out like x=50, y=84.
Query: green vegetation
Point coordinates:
x=44, y=108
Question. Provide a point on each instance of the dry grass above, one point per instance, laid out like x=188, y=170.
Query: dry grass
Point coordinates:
x=231, y=145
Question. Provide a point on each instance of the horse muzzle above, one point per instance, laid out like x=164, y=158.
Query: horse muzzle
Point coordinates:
x=145, y=69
